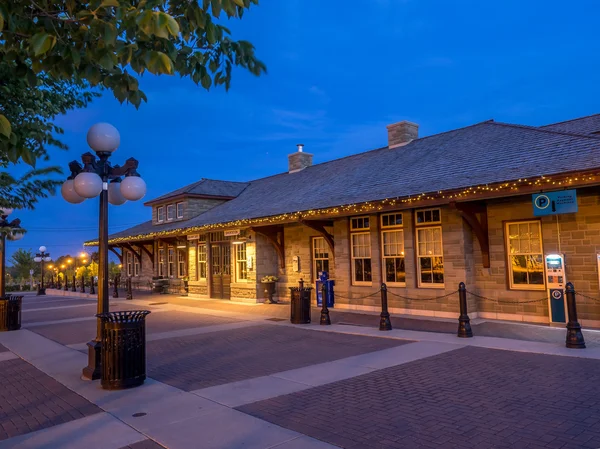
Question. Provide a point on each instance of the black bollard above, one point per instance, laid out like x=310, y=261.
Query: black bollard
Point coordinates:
x=129, y=290
x=464, y=323
x=116, y=289
x=92, y=290
x=82, y=284
x=384, y=323
x=325, y=320
x=74, y=286
x=574, y=335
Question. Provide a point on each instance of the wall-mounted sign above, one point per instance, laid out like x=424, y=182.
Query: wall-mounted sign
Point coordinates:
x=232, y=232
x=552, y=203
x=193, y=236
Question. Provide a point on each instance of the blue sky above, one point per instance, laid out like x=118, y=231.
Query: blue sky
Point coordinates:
x=338, y=73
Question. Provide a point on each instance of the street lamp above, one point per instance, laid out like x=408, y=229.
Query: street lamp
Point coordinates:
x=8, y=230
x=89, y=181
x=42, y=257
x=64, y=268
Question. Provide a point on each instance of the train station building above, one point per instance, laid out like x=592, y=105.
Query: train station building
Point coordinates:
x=489, y=205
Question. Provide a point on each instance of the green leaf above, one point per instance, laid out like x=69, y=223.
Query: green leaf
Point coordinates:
x=145, y=22
x=172, y=26
x=76, y=56
x=32, y=78
x=28, y=157
x=1, y=22
x=239, y=3
x=110, y=34
x=41, y=43
x=159, y=63
x=5, y=127
x=107, y=3
x=160, y=25
x=211, y=33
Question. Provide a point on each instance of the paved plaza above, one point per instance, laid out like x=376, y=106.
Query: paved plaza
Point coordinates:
x=225, y=375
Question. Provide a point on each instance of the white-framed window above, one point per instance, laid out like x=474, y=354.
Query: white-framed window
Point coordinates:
x=181, y=255
x=525, y=255
x=392, y=245
x=428, y=216
x=202, y=256
x=129, y=263
x=170, y=212
x=360, y=246
x=430, y=251
x=320, y=253
x=161, y=261
x=171, y=261
x=136, y=265
x=241, y=262
x=179, y=210
x=160, y=214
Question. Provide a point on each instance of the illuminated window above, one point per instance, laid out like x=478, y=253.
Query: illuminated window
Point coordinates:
x=181, y=255
x=359, y=223
x=241, y=262
x=525, y=255
x=129, y=263
x=136, y=266
x=161, y=261
x=392, y=241
x=320, y=256
x=202, y=260
x=179, y=210
x=360, y=250
x=171, y=261
x=160, y=214
x=170, y=212
x=430, y=254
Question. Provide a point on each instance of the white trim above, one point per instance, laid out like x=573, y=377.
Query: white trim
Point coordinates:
x=523, y=287
x=389, y=227
x=315, y=274
x=158, y=220
x=171, y=206
x=182, y=203
x=419, y=256
x=396, y=228
x=360, y=229
x=353, y=259
x=428, y=223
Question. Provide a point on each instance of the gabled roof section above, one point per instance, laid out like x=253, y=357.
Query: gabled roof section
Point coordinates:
x=205, y=188
x=589, y=125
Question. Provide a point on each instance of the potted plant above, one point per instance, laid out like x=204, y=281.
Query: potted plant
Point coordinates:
x=269, y=283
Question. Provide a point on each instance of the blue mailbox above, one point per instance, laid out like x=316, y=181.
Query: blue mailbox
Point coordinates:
x=324, y=277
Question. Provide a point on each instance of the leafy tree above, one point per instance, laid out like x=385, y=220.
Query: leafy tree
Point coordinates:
x=107, y=42
x=25, y=191
x=22, y=261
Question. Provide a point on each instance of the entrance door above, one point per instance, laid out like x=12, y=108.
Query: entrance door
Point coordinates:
x=221, y=271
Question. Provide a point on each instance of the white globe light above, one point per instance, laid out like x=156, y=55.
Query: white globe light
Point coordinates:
x=103, y=138
x=47, y=259
x=115, y=196
x=133, y=188
x=87, y=185
x=37, y=259
x=69, y=194
x=42, y=249
x=15, y=236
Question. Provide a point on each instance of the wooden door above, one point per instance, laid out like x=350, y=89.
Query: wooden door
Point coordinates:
x=221, y=270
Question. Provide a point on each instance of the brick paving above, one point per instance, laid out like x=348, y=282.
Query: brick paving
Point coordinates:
x=145, y=444
x=52, y=302
x=30, y=400
x=468, y=398
x=30, y=317
x=216, y=358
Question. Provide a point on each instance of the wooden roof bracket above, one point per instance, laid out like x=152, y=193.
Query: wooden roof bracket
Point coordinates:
x=138, y=255
x=479, y=225
x=150, y=254
x=319, y=226
x=120, y=256
x=274, y=234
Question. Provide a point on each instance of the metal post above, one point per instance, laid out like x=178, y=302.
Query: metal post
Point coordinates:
x=92, y=289
x=116, y=286
x=83, y=283
x=464, y=323
x=74, y=286
x=574, y=335
x=42, y=290
x=3, y=266
x=129, y=290
x=384, y=323
x=93, y=370
x=325, y=320
x=66, y=281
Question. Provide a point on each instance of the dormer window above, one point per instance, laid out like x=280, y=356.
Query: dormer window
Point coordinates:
x=160, y=214
x=170, y=212
x=179, y=210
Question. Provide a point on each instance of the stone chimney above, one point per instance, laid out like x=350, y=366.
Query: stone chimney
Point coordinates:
x=402, y=133
x=299, y=160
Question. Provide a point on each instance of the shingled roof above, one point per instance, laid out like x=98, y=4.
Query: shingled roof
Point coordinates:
x=485, y=153
x=589, y=125
x=210, y=188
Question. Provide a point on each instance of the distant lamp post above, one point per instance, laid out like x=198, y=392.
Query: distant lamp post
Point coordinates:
x=42, y=257
x=10, y=230
x=63, y=267
x=92, y=180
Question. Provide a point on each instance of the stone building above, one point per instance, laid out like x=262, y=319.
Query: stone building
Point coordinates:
x=420, y=215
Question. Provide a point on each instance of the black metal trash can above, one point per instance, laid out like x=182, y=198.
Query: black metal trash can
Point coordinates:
x=300, y=308
x=10, y=313
x=123, y=349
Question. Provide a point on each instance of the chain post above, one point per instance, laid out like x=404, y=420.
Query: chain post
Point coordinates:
x=464, y=323
x=129, y=289
x=384, y=322
x=325, y=320
x=574, y=335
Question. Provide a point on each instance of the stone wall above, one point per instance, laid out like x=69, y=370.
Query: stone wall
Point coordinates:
x=192, y=207
x=146, y=267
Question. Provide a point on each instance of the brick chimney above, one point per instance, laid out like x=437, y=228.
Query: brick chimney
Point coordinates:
x=299, y=160
x=402, y=133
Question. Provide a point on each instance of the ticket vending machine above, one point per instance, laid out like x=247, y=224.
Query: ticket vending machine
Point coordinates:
x=556, y=281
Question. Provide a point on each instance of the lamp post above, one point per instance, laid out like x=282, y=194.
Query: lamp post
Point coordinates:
x=10, y=230
x=42, y=257
x=89, y=181
x=64, y=268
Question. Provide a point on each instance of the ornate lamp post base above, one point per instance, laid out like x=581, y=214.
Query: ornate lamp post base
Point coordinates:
x=93, y=370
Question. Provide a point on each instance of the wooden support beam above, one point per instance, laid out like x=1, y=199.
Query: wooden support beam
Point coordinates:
x=479, y=225
x=274, y=234
x=138, y=255
x=319, y=226
x=150, y=254
x=120, y=256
